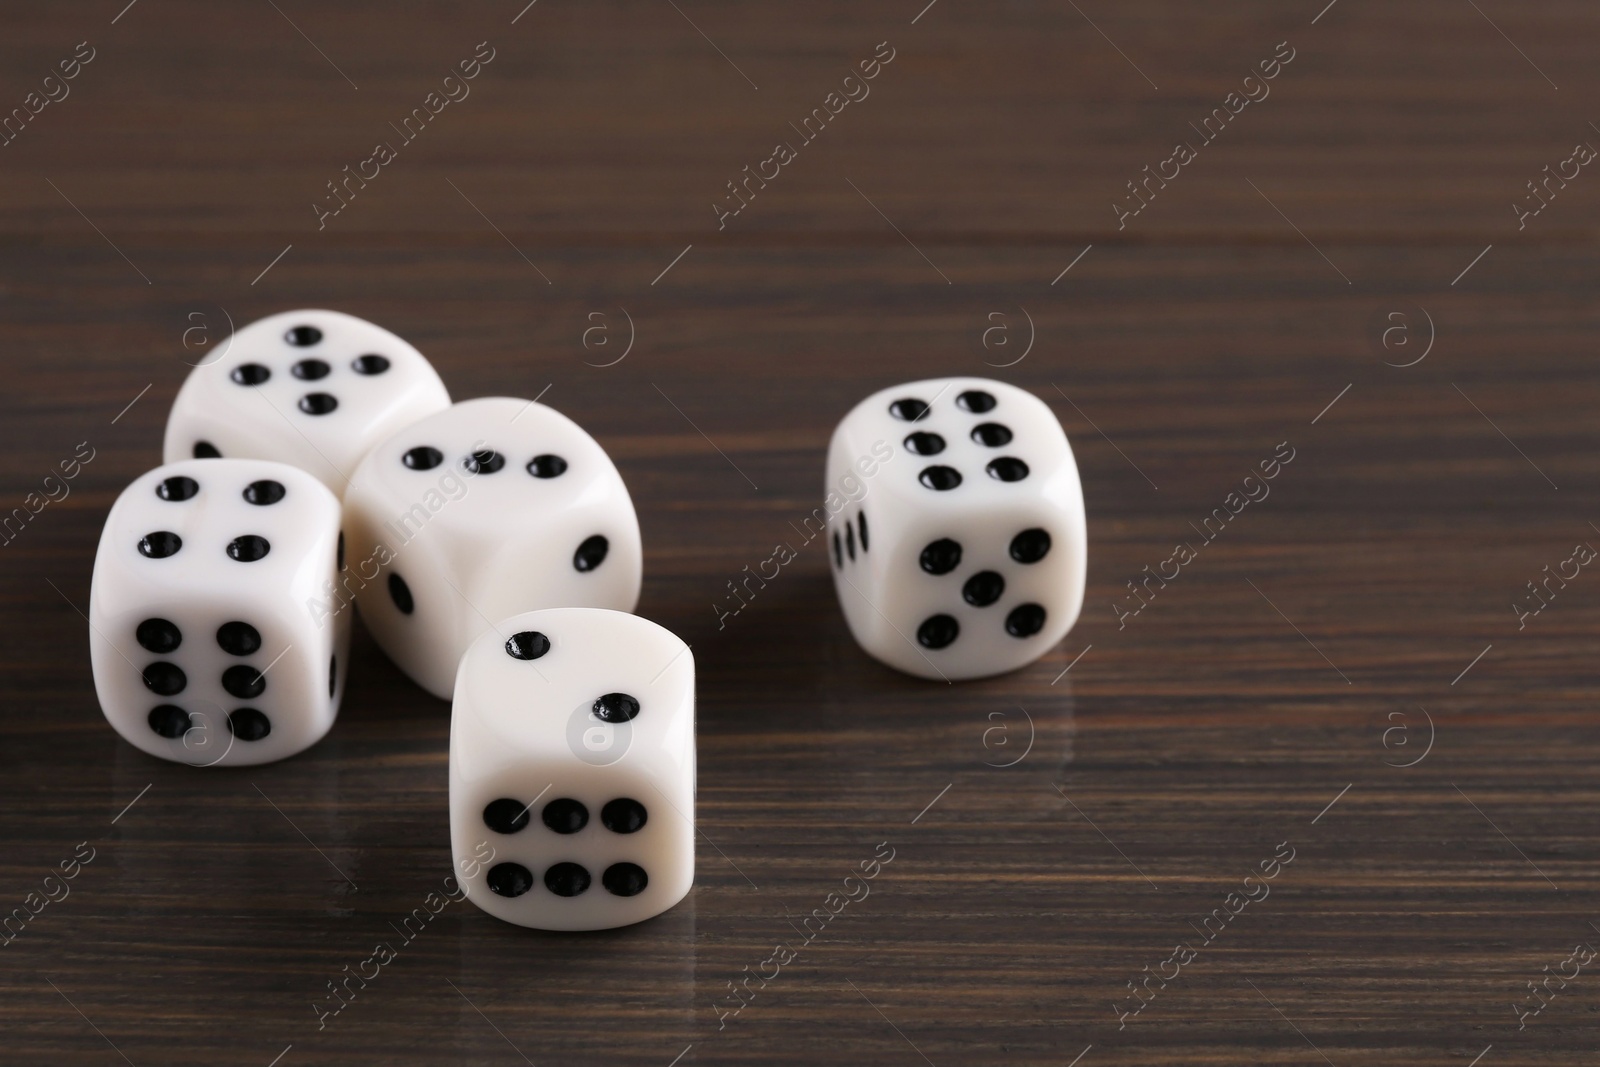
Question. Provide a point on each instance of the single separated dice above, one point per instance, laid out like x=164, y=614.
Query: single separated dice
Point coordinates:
x=966, y=554
x=572, y=769
x=205, y=646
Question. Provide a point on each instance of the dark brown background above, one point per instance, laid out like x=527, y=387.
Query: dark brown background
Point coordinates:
x=1196, y=739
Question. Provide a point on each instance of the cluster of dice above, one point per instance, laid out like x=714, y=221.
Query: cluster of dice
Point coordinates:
x=318, y=464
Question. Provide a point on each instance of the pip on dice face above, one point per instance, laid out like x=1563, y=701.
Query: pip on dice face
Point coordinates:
x=491, y=507
x=965, y=555
x=572, y=769
x=203, y=647
x=316, y=389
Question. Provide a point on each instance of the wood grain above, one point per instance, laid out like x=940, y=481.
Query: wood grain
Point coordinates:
x=1358, y=619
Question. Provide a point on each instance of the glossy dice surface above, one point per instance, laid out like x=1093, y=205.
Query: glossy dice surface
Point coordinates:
x=572, y=769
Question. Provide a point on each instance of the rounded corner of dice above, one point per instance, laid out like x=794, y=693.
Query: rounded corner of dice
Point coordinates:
x=203, y=648
x=572, y=769
x=954, y=525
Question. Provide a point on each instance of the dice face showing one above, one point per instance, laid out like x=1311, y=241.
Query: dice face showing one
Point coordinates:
x=204, y=647
x=963, y=554
x=314, y=389
x=492, y=507
x=572, y=769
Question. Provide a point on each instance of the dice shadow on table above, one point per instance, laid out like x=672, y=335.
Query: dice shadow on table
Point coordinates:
x=650, y=966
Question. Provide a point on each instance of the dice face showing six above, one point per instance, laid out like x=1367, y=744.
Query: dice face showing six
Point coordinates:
x=489, y=508
x=964, y=553
x=572, y=769
x=315, y=389
x=203, y=647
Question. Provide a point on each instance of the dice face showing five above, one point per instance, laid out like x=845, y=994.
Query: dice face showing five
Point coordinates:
x=315, y=389
x=572, y=769
x=963, y=554
x=203, y=647
x=489, y=508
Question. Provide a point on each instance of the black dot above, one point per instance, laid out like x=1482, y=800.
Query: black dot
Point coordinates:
x=370, y=364
x=910, y=409
x=1030, y=546
x=991, y=434
x=616, y=707
x=339, y=557
x=160, y=544
x=509, y=879
x=484, y=461
x=264, y=492
x=940, y=477
x=238, y=638
x=158, y=635
x=309, y=370
x=528, y=644
x=624, y=879
x=1007, y=469
x=838, y=550
x=505, y=816
x=206, y=450
x=422, y=458
x=1025, y=620
x=177, y=488
x=400, y=593
x=923, y=443
x=861, y=521
x=318, y=403
x=850, y=540
x=623, y=815
x=937, y=631
x=983, y=589
x=303, y=336
x=565, y=815
x=547, y=466
x=941, y=556
x=246, y=683
x=333, y=674
x=566, y=879
x=165, y=678
x=247, y=548
x=591, y=553
x=976, y=401
x=248, y=724
x=168, y=720
x=250, y=374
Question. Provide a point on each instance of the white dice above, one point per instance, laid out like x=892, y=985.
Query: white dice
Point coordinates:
x=316, y=389
x=489, y=508
x=204, y=645
x=964, y=553
x=572, y=769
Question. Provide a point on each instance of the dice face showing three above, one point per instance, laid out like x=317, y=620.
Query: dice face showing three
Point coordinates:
x=572, y=769
x=203, y=646
x=964, y=553
x=492, y=507
x=315, y=389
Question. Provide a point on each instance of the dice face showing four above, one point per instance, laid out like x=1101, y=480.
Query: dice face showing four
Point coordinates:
x=964, y=554
x=489, y=508
x=572, y=769
x=315, y=389
x=203, y=647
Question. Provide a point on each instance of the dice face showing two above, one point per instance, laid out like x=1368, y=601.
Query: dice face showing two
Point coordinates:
x=572, y=769
x=315, y=389
x=203, y=647
x=963, y=554
x=492, y=507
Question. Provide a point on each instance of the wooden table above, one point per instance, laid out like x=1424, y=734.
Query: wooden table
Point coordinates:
x=1342, y=676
